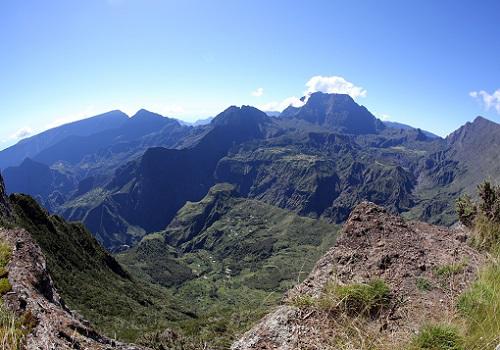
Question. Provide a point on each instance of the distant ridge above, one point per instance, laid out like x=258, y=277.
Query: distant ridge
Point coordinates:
x=31, y=146
x=401, y=126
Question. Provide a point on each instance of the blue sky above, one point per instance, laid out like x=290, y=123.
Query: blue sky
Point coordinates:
x=410, y=61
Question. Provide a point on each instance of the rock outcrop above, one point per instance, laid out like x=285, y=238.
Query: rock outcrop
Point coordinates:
x=33, y=293
x=424, y=266
x=4, y=203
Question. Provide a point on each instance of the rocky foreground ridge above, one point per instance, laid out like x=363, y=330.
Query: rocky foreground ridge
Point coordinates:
x=34, y=298
x=33, y=292
x=425, y=268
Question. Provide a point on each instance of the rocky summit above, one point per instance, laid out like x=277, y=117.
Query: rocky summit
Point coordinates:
x=373, y=246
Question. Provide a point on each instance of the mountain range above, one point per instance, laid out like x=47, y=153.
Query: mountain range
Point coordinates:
x=127, y=177
x=183, y=237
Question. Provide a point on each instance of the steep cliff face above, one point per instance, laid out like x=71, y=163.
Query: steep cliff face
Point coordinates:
x=419, y=269
x=320, y=175
x=469, y=155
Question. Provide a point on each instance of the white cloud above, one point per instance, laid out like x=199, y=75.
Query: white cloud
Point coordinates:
x=334, y=84
x=259, y=92
x=21, y=133
x=384, y=117
x=489, y=100
x=279, y=106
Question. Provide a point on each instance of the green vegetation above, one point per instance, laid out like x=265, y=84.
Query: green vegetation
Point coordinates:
x=437, y=337
x=5, y=254
x=232, y=258
x=450, y=270
x=12, y=329
x=302, y=301
x=92, y=282
x=466, y=210
x=423, y=284
x=366, y=299
x=487, y=234
x=358, y=298
x=479, y=306
x=482, y=218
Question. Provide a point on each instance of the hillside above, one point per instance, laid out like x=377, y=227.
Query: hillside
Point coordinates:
x=87, y=155
x=469, y=156
x=83, y=274
x=383, y=280
x=50, y=187
x=128, y=203
x=34, y=298
x=240, y=254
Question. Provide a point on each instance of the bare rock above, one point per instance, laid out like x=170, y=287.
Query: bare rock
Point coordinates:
x=33, y=292
x=374, y=244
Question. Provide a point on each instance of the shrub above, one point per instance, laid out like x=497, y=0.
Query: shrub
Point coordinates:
x=4, y=286
x=437, y=337
x=490, y=200
x=466, y=210
x=5, y=254
x=358, y=298
x=486, y=233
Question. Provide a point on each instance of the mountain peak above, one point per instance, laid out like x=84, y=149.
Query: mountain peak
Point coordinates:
x=145, y=114
x=475, y=135
x=240, y=115
x=479, y=120
x=338, y=112
x=324, y=95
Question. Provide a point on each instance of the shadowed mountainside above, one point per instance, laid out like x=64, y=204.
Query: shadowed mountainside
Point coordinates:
x=30, y=147
x=83, y=273
x=318, y=160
